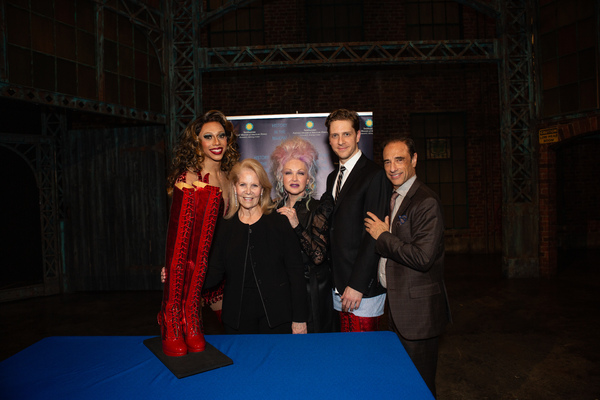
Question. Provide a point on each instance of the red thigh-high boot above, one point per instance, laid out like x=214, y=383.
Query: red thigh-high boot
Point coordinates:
x=178, y=241
x=207, y=199
x=351, y=323
x=214, y=298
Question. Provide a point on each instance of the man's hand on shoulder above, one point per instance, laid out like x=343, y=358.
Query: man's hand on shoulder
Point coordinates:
x=375, y=226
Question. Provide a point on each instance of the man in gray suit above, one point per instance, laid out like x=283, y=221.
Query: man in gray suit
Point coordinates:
x=411, y=243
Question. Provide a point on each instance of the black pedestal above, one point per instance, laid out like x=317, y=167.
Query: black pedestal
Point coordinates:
x=191, y=363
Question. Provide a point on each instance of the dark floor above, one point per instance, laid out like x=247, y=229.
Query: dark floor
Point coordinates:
x=511, y=339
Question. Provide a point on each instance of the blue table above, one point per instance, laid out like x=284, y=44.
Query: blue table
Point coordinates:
x=370, y=365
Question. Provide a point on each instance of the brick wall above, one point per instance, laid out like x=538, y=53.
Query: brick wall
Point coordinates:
x=569, y=192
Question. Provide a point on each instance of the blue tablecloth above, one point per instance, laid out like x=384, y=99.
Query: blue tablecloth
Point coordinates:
x=370, y=365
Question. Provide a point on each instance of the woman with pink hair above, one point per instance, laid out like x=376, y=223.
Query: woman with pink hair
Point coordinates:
x=294, y=169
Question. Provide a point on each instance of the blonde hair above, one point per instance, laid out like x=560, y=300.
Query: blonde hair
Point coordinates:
x=266, y=204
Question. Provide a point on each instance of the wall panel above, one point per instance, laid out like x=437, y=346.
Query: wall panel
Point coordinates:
x=116, y=202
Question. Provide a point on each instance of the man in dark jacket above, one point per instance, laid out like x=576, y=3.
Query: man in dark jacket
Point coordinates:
x=358, y=186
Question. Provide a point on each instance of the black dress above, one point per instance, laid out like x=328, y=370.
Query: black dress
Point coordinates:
x=313, y=233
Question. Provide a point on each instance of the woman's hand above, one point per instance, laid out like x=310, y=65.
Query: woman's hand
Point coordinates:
x=299, y=328
x=163, y=275
x=290, y=213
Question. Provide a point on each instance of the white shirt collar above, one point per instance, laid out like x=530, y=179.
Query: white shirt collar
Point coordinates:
x=351, y=163
x=405, y=187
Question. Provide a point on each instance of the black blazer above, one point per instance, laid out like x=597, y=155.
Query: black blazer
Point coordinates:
x=415, y=267
x=272, y=248
x=352, y=250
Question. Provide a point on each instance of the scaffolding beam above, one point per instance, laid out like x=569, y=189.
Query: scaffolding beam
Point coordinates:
x=357, y=54
x=520, y=205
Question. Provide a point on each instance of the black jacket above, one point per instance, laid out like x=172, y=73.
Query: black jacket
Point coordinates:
x=271, y=247
x=353, y=257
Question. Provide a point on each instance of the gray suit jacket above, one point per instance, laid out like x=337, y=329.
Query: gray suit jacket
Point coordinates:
x=415, y=267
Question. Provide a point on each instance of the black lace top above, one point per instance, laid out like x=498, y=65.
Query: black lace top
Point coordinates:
x=313, y=228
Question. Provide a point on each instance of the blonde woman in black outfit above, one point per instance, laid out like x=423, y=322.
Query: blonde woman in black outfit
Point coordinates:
x=257, y=253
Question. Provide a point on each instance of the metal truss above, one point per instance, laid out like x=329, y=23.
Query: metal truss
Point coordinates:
x=519, y=164
x=39, y=152
x=77, y=103
x=185, y=90
x=184, y=19
x=3, y=41
x=148, y=20
x=339, y=54
x=54, y=127
x=518, y=101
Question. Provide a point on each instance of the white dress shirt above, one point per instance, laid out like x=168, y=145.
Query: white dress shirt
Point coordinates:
x=349, y=166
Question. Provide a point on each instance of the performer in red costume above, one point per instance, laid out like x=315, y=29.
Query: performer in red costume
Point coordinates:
x=200, y=186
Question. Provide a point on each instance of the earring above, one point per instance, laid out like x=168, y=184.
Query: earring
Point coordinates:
x=236, y=200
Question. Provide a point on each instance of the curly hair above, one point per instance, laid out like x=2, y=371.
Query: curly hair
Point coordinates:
x=294, y=149
x=266, y=204
x=188, y=154
x=343, y=115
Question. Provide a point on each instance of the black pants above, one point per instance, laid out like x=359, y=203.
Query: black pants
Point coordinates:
x=253, y=318
x=423, y=353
